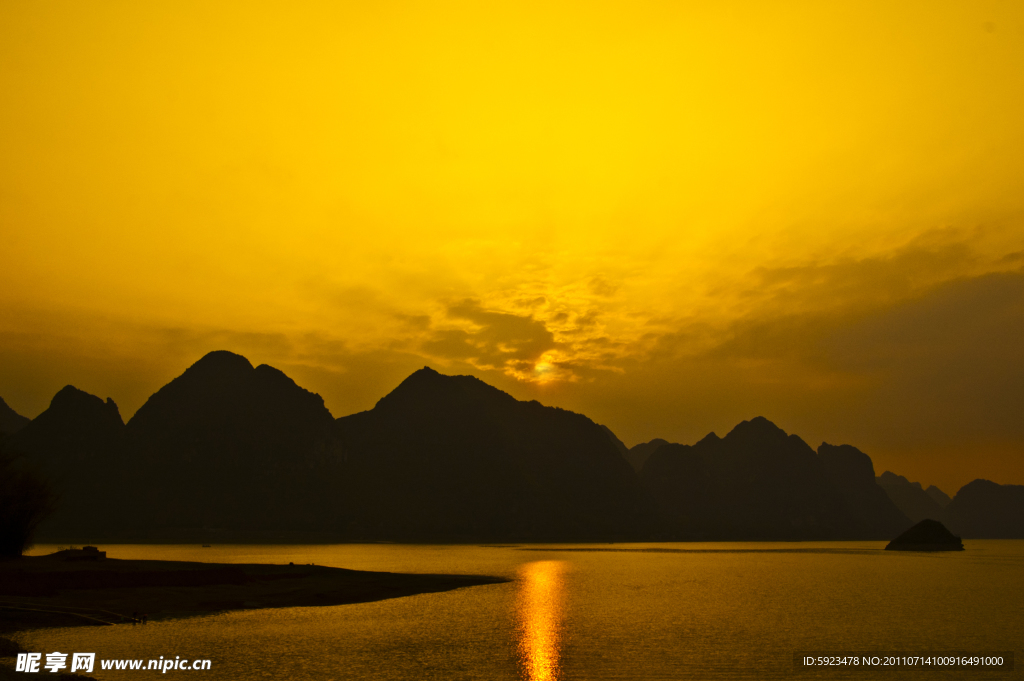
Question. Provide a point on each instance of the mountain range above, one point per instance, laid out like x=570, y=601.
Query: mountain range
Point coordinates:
x=231, y=452
x=758, y=482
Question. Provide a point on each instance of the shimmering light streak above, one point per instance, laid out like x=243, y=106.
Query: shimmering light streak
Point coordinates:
x=540, y=613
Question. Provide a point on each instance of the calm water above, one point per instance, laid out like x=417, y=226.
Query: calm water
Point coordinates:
x=639, y=611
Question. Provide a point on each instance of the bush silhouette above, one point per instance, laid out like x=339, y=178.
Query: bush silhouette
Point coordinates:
x=25, y=501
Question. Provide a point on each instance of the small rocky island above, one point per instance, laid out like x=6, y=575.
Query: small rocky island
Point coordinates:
x=927, y=535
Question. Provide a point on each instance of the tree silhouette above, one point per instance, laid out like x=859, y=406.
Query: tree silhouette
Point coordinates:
x=25, y=501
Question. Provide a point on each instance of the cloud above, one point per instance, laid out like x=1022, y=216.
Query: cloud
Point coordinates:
x=519, y=345
x=951, y=358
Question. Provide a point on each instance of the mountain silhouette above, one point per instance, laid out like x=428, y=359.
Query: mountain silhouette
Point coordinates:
x=452, y=458
x=637, y=455
x=871, y=510
x=10, y=420
x=619, y=444
x=74, y=445
x=938, y=496
x=228, y=450
x=910, y=497
x=986, y=510
x=758, y=482
x=231, y=452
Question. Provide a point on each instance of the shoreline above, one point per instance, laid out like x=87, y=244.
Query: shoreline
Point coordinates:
x=60, y=590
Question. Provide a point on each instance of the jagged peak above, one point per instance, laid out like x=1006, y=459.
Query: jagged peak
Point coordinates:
x=710, y=437
x=981, y=488
x=890, y=478
x=847, y=461
x=269, y=375
x=758, y=425
x=849, y=449
x=268, y=370
x=74, y=404
x=214, y=371
x=220, y=361
x=219, y=381
x=938, y=496
x=426, y=383
x=71, y=397
x=982, y=483
x=421, y=377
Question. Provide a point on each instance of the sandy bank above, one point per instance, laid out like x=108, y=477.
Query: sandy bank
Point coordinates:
x=51, y=591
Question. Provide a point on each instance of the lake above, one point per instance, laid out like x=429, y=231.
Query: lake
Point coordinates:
x=608, y=611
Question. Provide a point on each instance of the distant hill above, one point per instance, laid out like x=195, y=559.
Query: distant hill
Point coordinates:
x=938, y=496
x=637, y=456
x=619, y=444
x=871, y=511
x=452, y=458
x=10, y=420
x=986, y=510
x=911, y=498
x=758, y=482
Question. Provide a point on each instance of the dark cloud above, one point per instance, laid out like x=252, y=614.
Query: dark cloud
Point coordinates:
x=852, y=283
x=451, y=344
x=954, y=358
x=419, y=322
x=499, y=339
x=530, y=302
x=584, y=322
x=600, y=286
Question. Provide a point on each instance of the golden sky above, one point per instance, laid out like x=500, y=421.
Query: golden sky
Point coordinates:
x=668, y=216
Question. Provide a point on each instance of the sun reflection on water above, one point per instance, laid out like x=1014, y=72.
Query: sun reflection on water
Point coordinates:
x=539, y=614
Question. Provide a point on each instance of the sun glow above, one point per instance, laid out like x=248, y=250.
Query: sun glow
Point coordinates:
x=549, y=368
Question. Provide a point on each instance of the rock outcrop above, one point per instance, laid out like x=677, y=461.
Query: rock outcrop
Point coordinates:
x=927, y=535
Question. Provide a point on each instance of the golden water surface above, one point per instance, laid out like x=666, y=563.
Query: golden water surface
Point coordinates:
x=600, y=612
x=540, y=614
